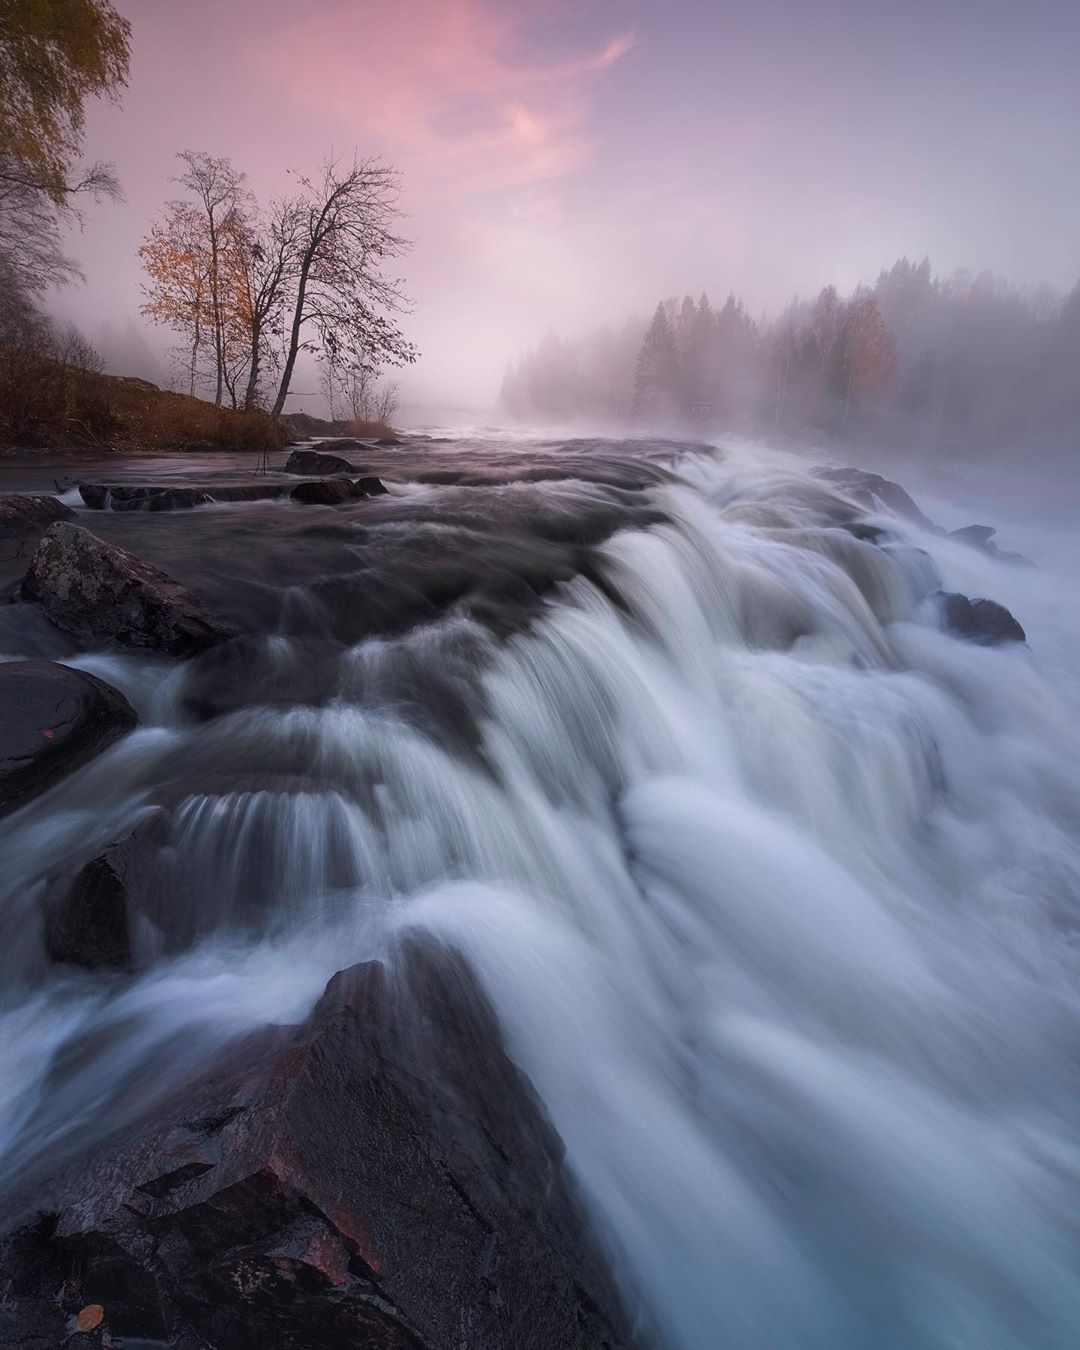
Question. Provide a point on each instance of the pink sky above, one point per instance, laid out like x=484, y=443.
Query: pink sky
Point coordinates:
x=566, y=163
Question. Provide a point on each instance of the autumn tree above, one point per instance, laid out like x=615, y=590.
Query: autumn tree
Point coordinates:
x=219, y=194
x=343, y=303
x=174, y=255
x=54, y=55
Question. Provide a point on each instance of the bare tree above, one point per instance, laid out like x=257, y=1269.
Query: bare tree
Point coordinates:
x=359, y=394
x=343, y=303
x=269, y=260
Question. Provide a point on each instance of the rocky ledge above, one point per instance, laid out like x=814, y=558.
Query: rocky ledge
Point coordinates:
x=441, y=1214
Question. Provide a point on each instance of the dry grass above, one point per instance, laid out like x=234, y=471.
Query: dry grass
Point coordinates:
x=47, y=404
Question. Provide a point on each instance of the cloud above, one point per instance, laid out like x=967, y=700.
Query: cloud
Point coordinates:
x=445, y=88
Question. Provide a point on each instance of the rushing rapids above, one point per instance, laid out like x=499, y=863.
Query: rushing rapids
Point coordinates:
x=771, y=880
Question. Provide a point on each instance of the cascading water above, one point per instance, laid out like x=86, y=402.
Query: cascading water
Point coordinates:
x=772, y=882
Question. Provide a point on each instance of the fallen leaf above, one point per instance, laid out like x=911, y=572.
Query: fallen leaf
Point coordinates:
x=91, y=1316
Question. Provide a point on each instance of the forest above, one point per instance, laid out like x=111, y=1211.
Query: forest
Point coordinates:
x=964, y=364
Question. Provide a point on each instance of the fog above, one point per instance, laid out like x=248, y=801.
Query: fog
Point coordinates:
x=566, y=166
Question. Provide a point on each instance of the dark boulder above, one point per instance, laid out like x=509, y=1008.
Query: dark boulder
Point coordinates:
x=103, y=594
x=328, y=492
x=381, y=1177
x=874, y=491
x=94, y=918
x=369, y=486
x=21, y=515
x=316, y=462
x=982, y=621
x=52, y=720
x=334, y=491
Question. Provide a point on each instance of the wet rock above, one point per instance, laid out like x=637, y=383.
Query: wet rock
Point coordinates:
x=21, y=515
x=125, y=497
x=103, y=594
x=390, y=440
x=369, y=486
x=93, y=919
x=976, y=535
x=317, y=462
x=257, y=671
x=982, y=538
x=329, y=492
x=982, y=621
x=382, y=1176
x=179, y=497
x=872, y=490
x=52, y=720
x=334, y=491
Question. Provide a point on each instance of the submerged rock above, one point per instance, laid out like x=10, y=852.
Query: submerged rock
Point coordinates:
x=53, y=720
x=982, y=621
x=100, y=497
x=26, y=515
x=101, y=593
x=334, y=491
x=382, y=1176
x=91, y=918
x=177, y=497
x=317, y=462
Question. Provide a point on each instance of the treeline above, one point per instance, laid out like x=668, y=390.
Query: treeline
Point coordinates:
x=964, y=363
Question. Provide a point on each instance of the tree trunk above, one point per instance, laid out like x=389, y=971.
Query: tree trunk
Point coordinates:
x=251, y=392
x=294, y=339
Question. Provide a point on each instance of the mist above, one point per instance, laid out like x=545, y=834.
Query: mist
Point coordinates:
x=566, y=167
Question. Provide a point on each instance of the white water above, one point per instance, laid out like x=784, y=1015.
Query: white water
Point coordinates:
x=774, y=885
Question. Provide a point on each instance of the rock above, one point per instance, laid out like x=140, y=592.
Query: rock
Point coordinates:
x=982, y=621
x=382, y=1176
x=332, y=492
x=52, y=720
x=25, y=515
x=370, y=486
x=390, y=440
x=91, y=919
x=982, y=538
x=329, y=492
x=977, y=535
x=342, y=445
x=872, y=489
x=124, y=497
x=103, y=594
x=314, y=462
x=179, y=497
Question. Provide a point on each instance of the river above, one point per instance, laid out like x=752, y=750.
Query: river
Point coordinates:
x=773, y=882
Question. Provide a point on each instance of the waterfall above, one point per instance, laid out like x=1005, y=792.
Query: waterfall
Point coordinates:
x=773, y=883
